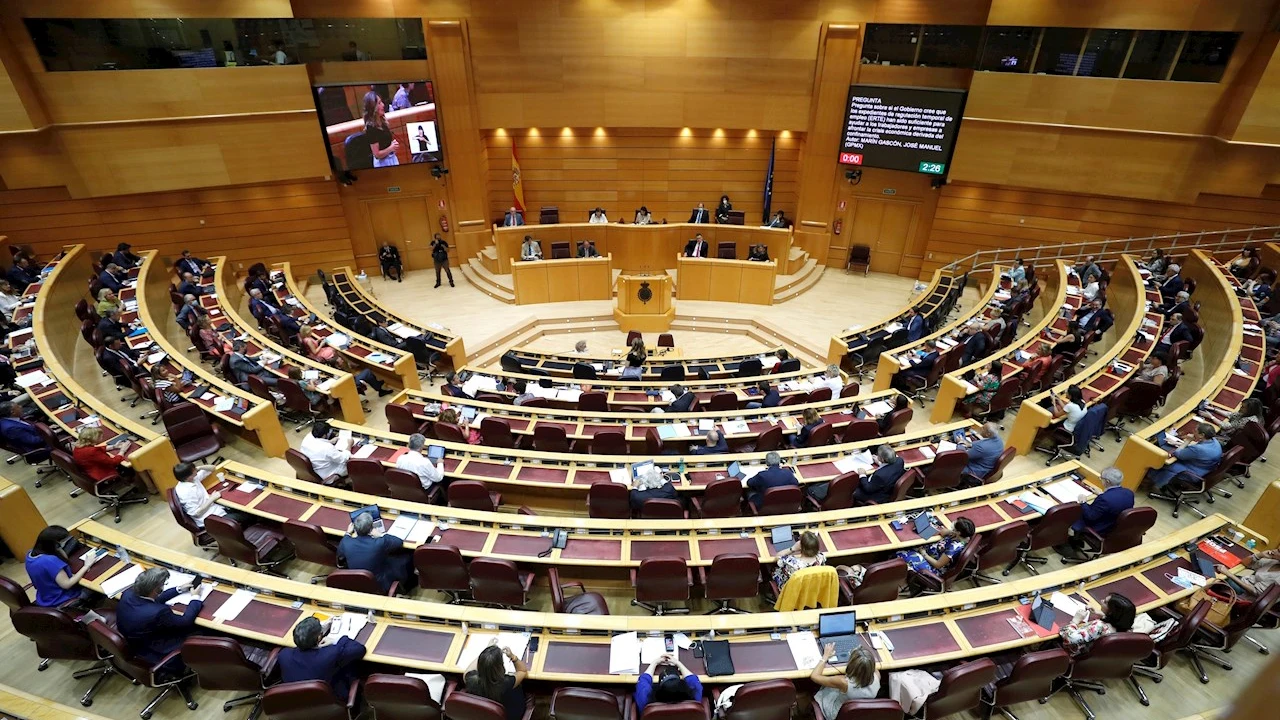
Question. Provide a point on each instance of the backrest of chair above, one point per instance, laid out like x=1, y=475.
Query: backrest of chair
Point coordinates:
x=608, y=500
x=860, y=254
x=1111, y=657
x=180, y=515
x=368, y=476
x=258, y=387
x=609, y=442
x=672, y=372
x=860, y=429
x=185, y=422
x=898, y=421
x=1000, y=545
x=960, y=688
x=840, y=491
x=398, y=697
x=1053, y=527
x=497, y=433
x=470, y=495
x=310, y=544
x=1006, y=456
x=1032, y=676
x=400, y=419
x=465, y=706
x=662, y=579
x=13, y=595
x=822, y=434
x=441, y=567
x=722, y=401
x=818, y=395
x=727, y=250
x=684, y=710
x=722, y=498
x=877, y=709
x=789, y=365
x=405, y=485
x=662, y=509
x=903, y=487
x=850, y=390
x=571, y=703
x=113, y=644
x=496, y=581
x=307, y=700
x=230, y=538
x=782, y=500
x=361, y=581
x=1252, y=613
x=749, y=367
x=945, y=470
x=64, y=462
x=593, y=401
x=963, y=562
x=733, y=575
x=880, y=582
x=632, y=335
x=763, y=700
x=1130, y=526
x=448, y=432
x=584, y=371
x=1142, y=398
x=220, y=664
x=294, y=399
x=770, y=439
x=57, y=635
x=652, y=441
x=1235, y=454
x=666, y=340
x=550, y=438
x=1186, y=629
x=301, y=465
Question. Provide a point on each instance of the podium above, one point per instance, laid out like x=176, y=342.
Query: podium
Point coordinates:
x=644, y=303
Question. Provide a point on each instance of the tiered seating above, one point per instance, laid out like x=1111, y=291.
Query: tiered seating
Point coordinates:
x=661, y=358
x=861, y=345
x=437, y=338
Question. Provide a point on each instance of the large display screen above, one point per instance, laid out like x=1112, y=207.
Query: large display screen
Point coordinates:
x=901, y=128
x=373, y=125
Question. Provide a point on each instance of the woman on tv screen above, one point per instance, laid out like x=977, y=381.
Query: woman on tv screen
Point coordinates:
x=382, y=143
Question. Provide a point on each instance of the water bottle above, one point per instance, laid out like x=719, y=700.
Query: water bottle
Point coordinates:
x=1251, y=544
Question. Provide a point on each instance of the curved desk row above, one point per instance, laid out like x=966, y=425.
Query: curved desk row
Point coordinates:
x=660, y=358
x=65, y=400
x=230, y=325
x=243, y=411
x=1233, y=356
x=934, y=303
x=1127, y=297
x=437, y=337
x=1059, y=302
x=610, y=547
x=388, y=363
x=575, y=648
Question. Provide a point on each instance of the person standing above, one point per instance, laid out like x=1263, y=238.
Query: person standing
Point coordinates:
x=440, y=256
x=382, y=143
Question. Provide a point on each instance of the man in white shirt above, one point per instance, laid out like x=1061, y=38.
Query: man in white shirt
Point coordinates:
x=833, y=380
x=416, y=462
x=8, y=299
x=530, y=249
x=598, y=217
x=401, y=100
x=328, y=454
x=197, y=502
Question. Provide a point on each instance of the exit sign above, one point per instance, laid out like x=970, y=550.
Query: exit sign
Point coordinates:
x=396, y=188
x=932, y=168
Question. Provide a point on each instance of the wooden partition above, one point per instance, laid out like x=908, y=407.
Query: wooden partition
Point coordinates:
x=563, y=280
x=22, y=519
x=742, y=281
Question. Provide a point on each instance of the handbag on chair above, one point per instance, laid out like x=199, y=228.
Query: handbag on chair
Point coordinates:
x=1221, y=597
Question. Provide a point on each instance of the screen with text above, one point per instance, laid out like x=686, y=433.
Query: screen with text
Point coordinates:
x=901, y=128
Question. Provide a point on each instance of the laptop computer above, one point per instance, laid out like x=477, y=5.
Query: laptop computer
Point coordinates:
x=735, y=471
x=637, y=468
x=372, y=510
x=187, y=376
x=435, y=453
x=924, y=525
x=839, y=629
x=782, y=537
x=1203, y=564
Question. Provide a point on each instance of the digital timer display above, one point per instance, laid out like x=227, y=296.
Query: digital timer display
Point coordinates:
x=901, y=128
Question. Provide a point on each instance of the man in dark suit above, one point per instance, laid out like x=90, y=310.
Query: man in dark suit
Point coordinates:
x=367, y=547
x=21, y=274
x=1100, y=512
x=715, y=444
x=1171, y=287
x=1089, y=317
x=1181, y=304
x=878, y=486
x=115, y=357
x=310, y=660
x=21, y=435
x=382, y=335
x=768, y=394
x=697, y=247
x=513, y=218
x=683, y=402
x=190, y=311
x=920, y=367
x=587, y=249
x=150, y=626
x=975, y=344
x=189, y=286
x=984, y=454
x=124, y=258
x=652, y=487
x=700, y=214
x=242, y=366
x=914, y=325
x=194, y=265
x=262, y=310
x=778, y=221
x=453, y=386
x=1181, y=331
x=774, y=475
x=112, y=277
x=110, y=324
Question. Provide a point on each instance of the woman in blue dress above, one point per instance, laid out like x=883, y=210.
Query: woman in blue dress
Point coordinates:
x=937, y=556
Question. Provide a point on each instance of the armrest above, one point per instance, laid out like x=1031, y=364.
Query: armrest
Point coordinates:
x=351, y=697
x=269, y=668
x=332, y=479
x=564, y=586
x=525, y=510
x=156, y=668
x=846, y=591
x=702, y=575
x=633, y=577
x=812, y=503
x=394, y=589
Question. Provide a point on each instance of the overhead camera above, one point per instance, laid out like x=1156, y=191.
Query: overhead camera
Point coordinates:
x=853, y=176
x=438, y=172
x=346, y=177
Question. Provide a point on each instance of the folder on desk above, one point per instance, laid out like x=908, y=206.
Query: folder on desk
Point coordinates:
x=121, y=581
x=735, y=427
x=624, y=654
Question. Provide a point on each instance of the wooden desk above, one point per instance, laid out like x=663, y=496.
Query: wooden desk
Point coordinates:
x=1226, y=342
x=22, y=520
x=638, y=248
x=360, y=297
x=933, y=303
x=741, y=281
x=18, y=704
x=152, y=456
x=388, y=363
x=230, y=324
x=1129, y=299
x=565, y=280
x=610, y=366
x=644, y=303
x=574, y=648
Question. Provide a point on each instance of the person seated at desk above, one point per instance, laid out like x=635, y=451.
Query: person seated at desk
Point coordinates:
x=313, y=659
x=832, y=380
x=634, y=369
x=768, y=394
x=194, y=265
x=111, y=277
x=779, y=220
x=774, y=475
x=1180, y=331
x=878, y=487
x=1094, y=290
x=914, y=324
x=93, y=460
x=151, y=627
x=884, y=420
x=804, y=553
x=109, y=324
x=1264, y=567
x=116, y=357
x=124, y=258
x=453, y=386
x=382, y=334
x=521, y=389
x=21, y=435
x=937, y=555
x=812, y=420
x=242, y=366
x=1157, y=264
x=715, y=444
x=327, y=450
x=984, y=453
x=389, y=260
x=781, y=356
x=683, y=400
x=651, y=485
x=674, y=684
x=587, y=249
x=987, y=382
x=1154, y=369
x=317, y=400
x=1071, y=342
x=107, y=300
x=722, y=210
x=197, y=502
x=1021, y=294
x=530, y=249
x=417, y=462
x=859, y=681
x=1072, y=405
x=1100, y=512
x=975, y=344
x=367, y=547
x=263, y=310
x=696, y=248
x=1198, y=458
x=598, y=217
x=49, y=569
x=487, y=677
x=1087, y=625
x=1243, y=264
x=513, y=218
x=214, y=344
x=257, y=279
x=643, y=216
x=1251, y=410
x=191, y=286
x=758, y=252
x=1018, y=273
x=449, y=416
x=190, y=310
x=700, y=215
x=22, y=273
x=1181, y=304
x=1173, y=284
x=1094, y=318
x=918, y=368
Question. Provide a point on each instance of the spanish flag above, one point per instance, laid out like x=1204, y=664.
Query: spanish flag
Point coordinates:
x=517, y=187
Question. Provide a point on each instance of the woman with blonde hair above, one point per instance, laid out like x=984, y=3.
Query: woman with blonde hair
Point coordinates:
x=805, y=553
x=382, y=144
x=812, y=421
x=859, y=681
x=316, y=348
x=92, y=459
x=107, y=300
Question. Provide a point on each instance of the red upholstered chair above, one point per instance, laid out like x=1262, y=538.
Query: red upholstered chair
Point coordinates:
x=361, y=581
x=192, y=435
x=609, y=500
x=860, y=429
x=1030, y=679
x=609, y=442
x=499, y=582
x=59, y=636
x=550, y=438
x=997, y=472
x=593, y=401
x=309, y=700
x=819, y=395
x=368, y=476
x=1187, y=488
x=723, y=401
x=13, y=595
x=1000, y=549
x=945, y=470
x=652, y=441
x=303, y=470
x=442, y=568
x=448, y=432
x=473, y=495
x=399, y=697
x=880, y=583
x=821, y=435
x=960, y=567
x=496, y=432
x=584, y=603
x=770, y=439
x=659, y=581
x=1110, y=657
x=839, y=493
x=112, y=492
x=572, y=703
x=783, y=500
x=792, y=399
x=685, y=710
x=222, y=664
x=1177, y=641
x=898, y=421
x=877, y=709
x=1130, y=526
x=1212, y=638
x=731, y=576
x=902, y=488
x=763, y=700
x=400, y=419
x=262, y=549
x=850, y=390
x=1051, y=530
x=632, y=336
x=663, y=509
x=405, y=485
x=960, y=689
x=465, y=706
x=666, y=340
x=112, y=645
x=310, y=544
x=721, y=499
x=199, y=537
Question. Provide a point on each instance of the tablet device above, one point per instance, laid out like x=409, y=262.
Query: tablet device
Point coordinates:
x=1042, y=613
x=782, y=537
x=435, y=452
x=735, y=471
x=924, y=526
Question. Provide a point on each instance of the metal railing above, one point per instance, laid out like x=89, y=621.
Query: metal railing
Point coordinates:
x=1109, y=249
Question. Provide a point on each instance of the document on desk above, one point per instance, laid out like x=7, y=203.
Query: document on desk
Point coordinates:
x=674, y=430
x=178, y=579
x=624, y=654
x=568, y=394
x=223, y=404
x=946, y=446
x=365, y=451
x=121, y=581
x=1066, y=604
x=403, y=525
x=667, y=397
x=804, y=649
x=735, y=427
x=621, y=475
x=404, y=332
x=346, y=625
x=878, y=407
x=238, y=601
x=338, y=340
x=33, y=378
x=199, y=593
x=706, y=425
x=479, y=382
x=859, y=462
x=517, y=643
x=1037, y=501
x=310, y=374
x=421, y=532
x=435, y=684
x=1065, y=490
x=651, y=648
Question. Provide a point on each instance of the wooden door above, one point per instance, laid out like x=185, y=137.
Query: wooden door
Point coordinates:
x=406, y=223
x=886, y=227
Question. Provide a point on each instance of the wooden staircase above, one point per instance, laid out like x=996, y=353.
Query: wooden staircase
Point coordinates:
x=803, y=273
x=480, y=270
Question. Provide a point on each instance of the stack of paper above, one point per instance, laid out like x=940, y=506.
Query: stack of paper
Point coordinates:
x=223, y=404
x=121, y=581
x=402, y=526
x=735, y=427
x=435, y=684
x=421, y=532
x=365, y=451
x=200, y=592
x=478, y=641
x=624, y=654
x=1065, y=490
x=1037, y=501
x=621, y=475
x=404, y=332
x=178, y=579
x=346, y=625
x=651, y=648
x=337, y=340
x=927, y=452
x=1066, y=604
x=860, y=462
x=154, y=358
x=893, y=327
x=804, y=649
x=946, y=446
x=879, y=407
x=479, y=382
x=673, y=430
x=232, y=608
x=706, y=425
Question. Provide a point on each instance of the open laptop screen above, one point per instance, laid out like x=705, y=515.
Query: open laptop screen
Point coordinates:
x=841, y=623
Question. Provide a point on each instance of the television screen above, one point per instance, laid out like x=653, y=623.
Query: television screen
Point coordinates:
x=901, y=128
x=371, y=125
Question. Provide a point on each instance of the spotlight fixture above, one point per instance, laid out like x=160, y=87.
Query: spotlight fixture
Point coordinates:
x=438, y=172
x=853, y=176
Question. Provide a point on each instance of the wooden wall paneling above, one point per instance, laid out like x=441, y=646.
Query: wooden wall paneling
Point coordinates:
x=450, y=59
x=1165, y=15
x=926, y=12
x=954, y=78
x=154, y=8
x=20, y=104
x=1253, y=114
x=885, y=185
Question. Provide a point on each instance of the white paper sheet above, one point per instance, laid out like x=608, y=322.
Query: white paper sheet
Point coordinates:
x=478, y=641
x=435, y=684
x=33, y=378
x=804, y=649
x=568, y=394
x=404, y=332
x=310, y=374
x=1065, y=490
x=178, y=579
x=200, y=592
x=946, y=446
x=1066, y=604
x=624, y=654
x=223, y=404
x=365, y=451
x=121, y=581
x=878, y=407
x=402, y=526
x=234, y=605
x=346, y=625
x=621, y=475
x=651, y=648
x=421, y=532
x=735, y=427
